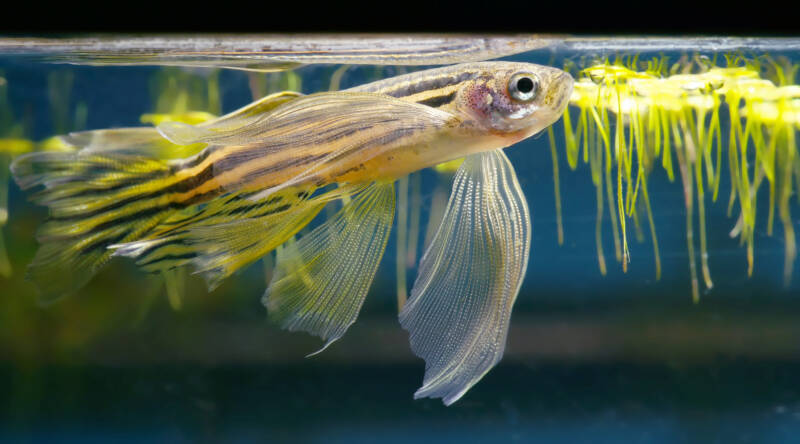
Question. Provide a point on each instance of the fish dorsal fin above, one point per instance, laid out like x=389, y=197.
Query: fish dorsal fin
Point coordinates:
x=224, y=126
x=112, y=139
x=143, y=141
x=181, y=133
x=321, y=280
x=460, y=306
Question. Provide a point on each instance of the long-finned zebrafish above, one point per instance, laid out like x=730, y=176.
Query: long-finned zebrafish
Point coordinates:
x=262, y=173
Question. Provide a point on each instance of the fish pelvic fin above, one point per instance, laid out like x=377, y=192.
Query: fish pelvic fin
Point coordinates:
x=322, y=279
x=95, y=199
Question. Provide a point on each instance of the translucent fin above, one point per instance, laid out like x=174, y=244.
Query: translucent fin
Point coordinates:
x=181, y=133
x=112, y=139
x=321, y=281
x=469, y=277
x=94, y=200
x=248, y=113
x=226, y=247
x=222, y=127
x=145, y=141
x=220, y=236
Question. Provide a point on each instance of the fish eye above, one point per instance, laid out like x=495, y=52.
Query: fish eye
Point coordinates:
x=523, y=87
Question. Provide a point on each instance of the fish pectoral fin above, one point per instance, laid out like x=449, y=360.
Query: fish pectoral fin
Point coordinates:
x=321, y=280
x=227, y=127
x=468, y=279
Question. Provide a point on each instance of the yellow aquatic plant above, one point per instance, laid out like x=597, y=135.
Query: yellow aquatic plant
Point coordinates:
x=672, y=115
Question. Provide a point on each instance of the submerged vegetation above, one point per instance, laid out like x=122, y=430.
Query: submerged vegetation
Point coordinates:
x=15, y=139
x=671, y=114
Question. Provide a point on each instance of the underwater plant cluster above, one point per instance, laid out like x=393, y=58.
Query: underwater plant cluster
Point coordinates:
x=628, y=117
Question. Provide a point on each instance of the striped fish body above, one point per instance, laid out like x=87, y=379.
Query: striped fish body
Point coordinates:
x=362, y=140
x=264, y=162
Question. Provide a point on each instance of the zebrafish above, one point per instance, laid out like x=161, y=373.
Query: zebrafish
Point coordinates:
x=221, y=194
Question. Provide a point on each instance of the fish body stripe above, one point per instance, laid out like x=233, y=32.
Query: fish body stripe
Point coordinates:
x=242, y=165
x=221, y=169
x=421, y=85
x=438, y=100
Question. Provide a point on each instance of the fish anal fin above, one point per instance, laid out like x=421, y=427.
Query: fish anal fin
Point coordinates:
x=219, y=237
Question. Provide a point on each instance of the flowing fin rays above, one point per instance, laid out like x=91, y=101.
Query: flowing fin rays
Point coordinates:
x=223, y=127
x=460, y=306
x=321, y=281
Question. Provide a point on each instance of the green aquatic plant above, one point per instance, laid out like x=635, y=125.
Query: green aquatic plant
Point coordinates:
x=12, y=143
x=627, y=117
x=262, y=84
x=65, y=117
x=176, y=91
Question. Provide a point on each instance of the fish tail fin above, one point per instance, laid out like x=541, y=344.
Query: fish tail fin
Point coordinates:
x=95, y=199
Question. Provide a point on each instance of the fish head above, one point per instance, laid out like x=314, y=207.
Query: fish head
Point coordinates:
x=517, y=100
